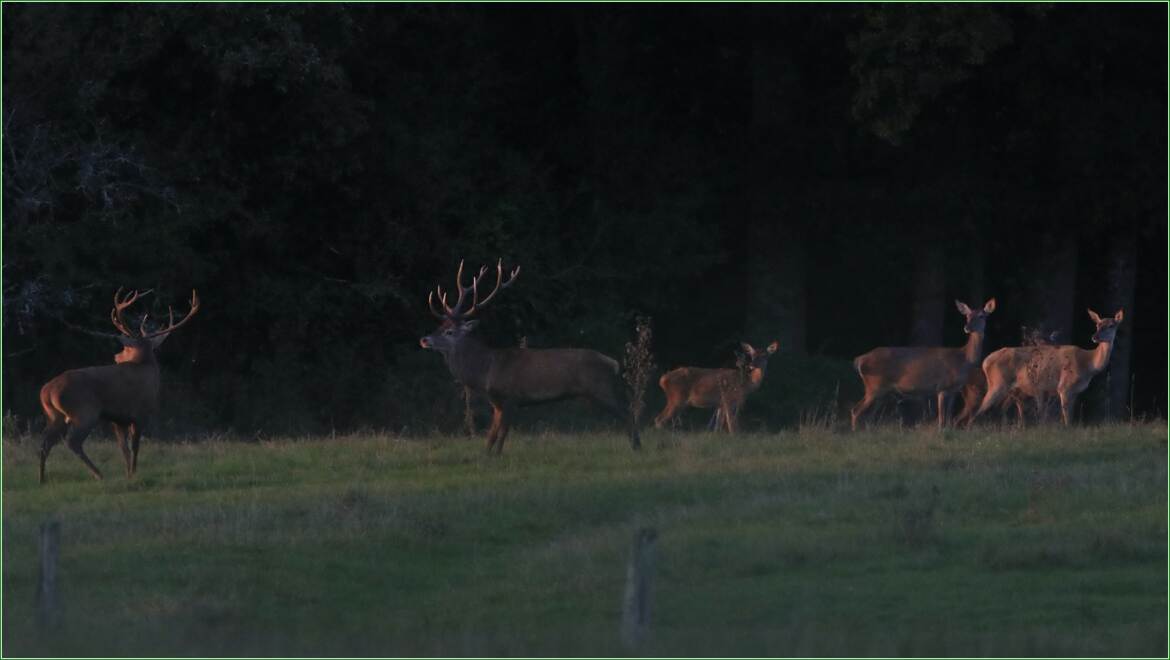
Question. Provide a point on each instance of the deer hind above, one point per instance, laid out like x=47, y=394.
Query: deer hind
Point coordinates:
x=511, y=377
x=125, y=394
x=923, y=371
x=722, y=389
x=1042, y=371
x=976, y=386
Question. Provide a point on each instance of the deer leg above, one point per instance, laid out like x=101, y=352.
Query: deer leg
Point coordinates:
x=504, y=428
x=76, y=436
x=135, y=436
x=730, y=415
x=1019, y=401
x=862, y=407
x=716, y=420
x=1067, y=399
x=994, y=394
x=497, y=424
x=1041, y=408
x=667, y=414
x=970, y=399
x=120, y=433
x=51, y=436
x=944, y=409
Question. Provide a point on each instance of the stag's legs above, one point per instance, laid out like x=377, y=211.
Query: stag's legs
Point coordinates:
x=497, y=428
x=51, y=436
x=76, y=436
x=135, y=436
x=120, y=433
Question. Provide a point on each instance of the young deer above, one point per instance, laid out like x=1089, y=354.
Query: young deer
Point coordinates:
x=923, y=371
x=722, y=389
x=1041, y=371
x=125, y=394
x=511, y=377
x=976, y=385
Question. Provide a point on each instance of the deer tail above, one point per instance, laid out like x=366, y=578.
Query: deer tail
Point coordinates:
x=858, y=363
x=612, y=364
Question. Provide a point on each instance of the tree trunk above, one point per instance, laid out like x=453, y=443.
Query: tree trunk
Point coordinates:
x=1120, y=284
x=929, y=298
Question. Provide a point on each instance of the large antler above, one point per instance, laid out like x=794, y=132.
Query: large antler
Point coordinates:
x=120, y=305
x=462, y=307
x=499, y=277
x=171, y=325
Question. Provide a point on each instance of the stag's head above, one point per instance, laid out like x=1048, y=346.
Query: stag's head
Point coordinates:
x=976, y=318
x=757, y=358
x=140, y=347
x=456, y=322
x=1106, y=327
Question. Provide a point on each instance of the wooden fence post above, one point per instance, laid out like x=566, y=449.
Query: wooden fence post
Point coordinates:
x=637, y=600
x=47, y=603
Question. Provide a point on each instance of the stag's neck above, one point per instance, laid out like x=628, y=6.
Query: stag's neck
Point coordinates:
x=1099, y=357
x=470, y=363
x=973, y=350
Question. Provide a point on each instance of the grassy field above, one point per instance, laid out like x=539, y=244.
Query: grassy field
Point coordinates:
x=1038, y=542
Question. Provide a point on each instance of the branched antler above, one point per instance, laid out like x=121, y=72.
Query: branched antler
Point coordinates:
x=463, y=307
x=120, y=305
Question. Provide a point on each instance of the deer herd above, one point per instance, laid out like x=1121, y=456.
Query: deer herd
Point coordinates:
x=125, y=394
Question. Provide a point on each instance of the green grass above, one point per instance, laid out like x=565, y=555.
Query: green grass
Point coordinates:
x=1043, y=542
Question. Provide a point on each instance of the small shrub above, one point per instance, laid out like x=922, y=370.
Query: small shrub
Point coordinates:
x=638, y=366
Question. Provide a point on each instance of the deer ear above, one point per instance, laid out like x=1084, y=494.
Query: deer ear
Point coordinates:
x=1119, y=315
x=989, y=306
x=747, y=348
x=1093, y=315
x=773, y=347
x=470, y=325
x=963, y=308
x=157, y=341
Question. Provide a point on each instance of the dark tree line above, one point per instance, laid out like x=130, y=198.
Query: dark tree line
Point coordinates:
x=829, y=176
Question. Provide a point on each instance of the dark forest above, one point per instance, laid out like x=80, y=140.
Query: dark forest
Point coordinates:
x=828, y=176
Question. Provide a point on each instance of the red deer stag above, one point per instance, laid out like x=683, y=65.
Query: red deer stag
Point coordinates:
x=722, y=389
x=923, y=371
x=511, y=377
x=1041, y=371
x=125, y=393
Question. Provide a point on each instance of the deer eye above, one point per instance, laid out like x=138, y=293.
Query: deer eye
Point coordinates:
x=449, y=331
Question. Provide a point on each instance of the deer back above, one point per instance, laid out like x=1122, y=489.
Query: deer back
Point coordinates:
x=912, y=369
x=533, y=374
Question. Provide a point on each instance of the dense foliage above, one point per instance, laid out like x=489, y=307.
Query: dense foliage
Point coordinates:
x=828, y=175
